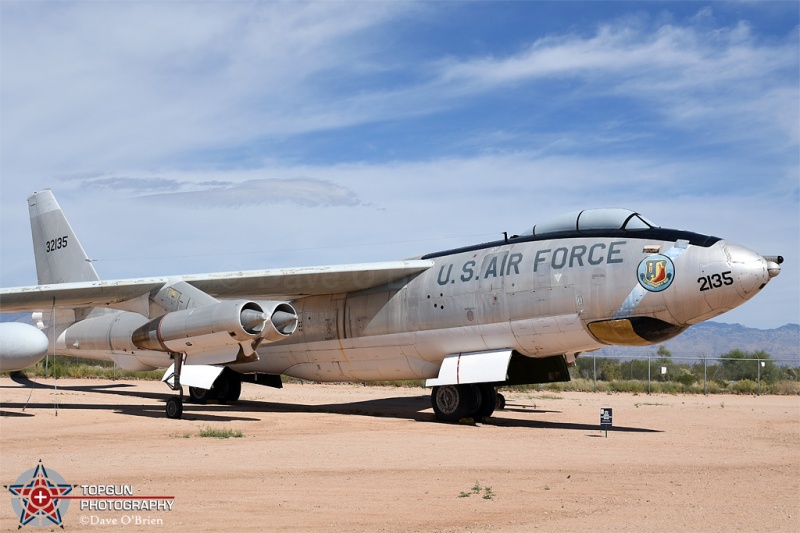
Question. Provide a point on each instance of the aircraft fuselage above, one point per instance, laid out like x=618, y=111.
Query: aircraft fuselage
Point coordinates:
x=539, y=296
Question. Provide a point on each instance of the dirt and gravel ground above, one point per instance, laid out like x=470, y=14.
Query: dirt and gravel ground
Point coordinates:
x=354, y=458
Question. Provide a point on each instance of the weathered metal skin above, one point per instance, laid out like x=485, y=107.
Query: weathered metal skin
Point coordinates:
x=539, y=297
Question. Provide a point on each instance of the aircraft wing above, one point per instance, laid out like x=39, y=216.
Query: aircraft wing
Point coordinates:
x=288, y=283
x=294, y=283
x=75, y=295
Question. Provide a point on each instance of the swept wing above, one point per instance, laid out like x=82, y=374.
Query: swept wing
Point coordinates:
x=285, y=283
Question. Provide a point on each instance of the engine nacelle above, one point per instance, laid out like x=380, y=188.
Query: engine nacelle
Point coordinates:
x=109, y=333
x=201, y=328
x=21, y=346
x=226, y=323
x=224, y=332
x=132, y=363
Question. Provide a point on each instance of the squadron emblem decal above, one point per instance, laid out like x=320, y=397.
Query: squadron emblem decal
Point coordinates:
x=656, y=272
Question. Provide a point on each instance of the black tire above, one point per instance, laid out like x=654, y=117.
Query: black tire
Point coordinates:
x=501, y=402
x=228, y=386
x=198, y=395
x=174, y=407
x=451, y=403
x=488, y=402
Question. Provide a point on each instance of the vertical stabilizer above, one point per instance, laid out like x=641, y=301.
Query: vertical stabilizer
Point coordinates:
x=59, y=255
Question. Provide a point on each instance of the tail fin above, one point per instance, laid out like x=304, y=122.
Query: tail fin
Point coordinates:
x=59, y=255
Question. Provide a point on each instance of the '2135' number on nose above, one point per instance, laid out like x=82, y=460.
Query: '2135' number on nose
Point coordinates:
x=715, y=281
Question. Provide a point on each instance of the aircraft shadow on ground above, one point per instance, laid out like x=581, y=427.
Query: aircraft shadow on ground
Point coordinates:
x=401, y=407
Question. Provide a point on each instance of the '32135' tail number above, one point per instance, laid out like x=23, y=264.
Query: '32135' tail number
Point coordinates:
x=715, y=281
x=56, y=244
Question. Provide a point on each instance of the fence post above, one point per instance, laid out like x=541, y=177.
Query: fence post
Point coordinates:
x=648, y=374
x=758, y=369
x=594, y=373
x=705, y=372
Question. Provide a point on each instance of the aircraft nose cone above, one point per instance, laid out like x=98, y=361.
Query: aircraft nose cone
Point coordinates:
x=748, y=269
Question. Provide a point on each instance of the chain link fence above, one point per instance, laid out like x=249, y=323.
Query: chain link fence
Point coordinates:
x=737, y=372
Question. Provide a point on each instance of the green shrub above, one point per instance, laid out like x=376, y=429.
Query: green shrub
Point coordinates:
x=628, y=386
x=222, y=433
x=787, y=388
x=744, y=386
x=672, y=387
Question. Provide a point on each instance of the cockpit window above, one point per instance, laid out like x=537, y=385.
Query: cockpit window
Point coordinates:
x=594, y=219
x=638, y=222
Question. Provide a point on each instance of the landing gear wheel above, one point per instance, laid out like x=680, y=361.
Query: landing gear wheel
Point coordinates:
x=451, y=403
x=198, y=395
x=501, y=402
x=488, y=402
x=228, y=386
x=174, y=407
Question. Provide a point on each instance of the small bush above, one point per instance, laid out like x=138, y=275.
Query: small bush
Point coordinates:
x=628, y=386
x=672, y=387
x=789, y=388
x=223, y=433
x=744, y=386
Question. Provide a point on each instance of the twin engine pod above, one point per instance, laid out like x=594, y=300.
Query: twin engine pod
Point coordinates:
x=193, y=329
x=223, y=332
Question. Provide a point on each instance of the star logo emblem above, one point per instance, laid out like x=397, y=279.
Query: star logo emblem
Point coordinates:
x=38, y=494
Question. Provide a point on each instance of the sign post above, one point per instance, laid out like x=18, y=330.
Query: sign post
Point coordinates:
x=605, y=419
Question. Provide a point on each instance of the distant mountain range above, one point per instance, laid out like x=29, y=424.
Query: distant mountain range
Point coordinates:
x=712, y=339
x=707, y=339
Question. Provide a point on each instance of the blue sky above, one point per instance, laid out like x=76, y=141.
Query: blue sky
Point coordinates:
x=198, y=137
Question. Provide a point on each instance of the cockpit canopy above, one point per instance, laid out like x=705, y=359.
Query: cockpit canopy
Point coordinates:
x=594, y=219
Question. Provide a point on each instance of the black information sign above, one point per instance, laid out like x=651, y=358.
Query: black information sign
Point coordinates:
x=605, y=418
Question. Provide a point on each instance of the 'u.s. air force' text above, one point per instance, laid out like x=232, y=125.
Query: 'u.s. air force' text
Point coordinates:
x=506, y=264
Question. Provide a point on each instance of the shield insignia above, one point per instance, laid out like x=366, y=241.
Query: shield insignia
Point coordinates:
x=656, y=272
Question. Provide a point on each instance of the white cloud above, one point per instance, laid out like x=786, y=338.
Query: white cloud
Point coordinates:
x=121, y=82
x=213, y=102
x=688, y=75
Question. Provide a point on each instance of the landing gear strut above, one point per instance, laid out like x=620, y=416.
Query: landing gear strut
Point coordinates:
x=451, y=403
x=175, y=403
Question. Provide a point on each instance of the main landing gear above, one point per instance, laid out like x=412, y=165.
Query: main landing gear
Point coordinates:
x=175, y=403
x=226, y=389
x=451, y=403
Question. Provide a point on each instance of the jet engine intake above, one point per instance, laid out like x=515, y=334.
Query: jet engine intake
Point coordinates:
x=283, y=320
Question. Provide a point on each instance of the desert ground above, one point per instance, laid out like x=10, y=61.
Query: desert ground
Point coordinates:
x=346, y=457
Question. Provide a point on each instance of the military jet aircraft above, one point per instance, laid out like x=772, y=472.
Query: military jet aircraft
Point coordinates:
x=514, y=311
